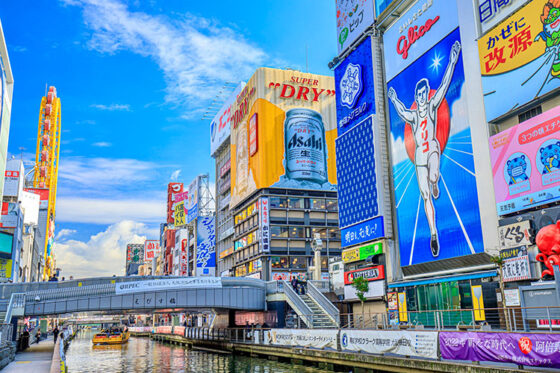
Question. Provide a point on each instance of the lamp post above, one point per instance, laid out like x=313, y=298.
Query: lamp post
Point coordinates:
x=317, y=245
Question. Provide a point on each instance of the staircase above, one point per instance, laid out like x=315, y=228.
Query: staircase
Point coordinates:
x=320, y=318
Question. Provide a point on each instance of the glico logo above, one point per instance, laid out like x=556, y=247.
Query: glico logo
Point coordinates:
x=414, y=33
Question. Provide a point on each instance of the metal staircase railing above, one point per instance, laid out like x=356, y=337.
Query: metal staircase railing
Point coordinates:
x=16, y=307
x=298, y=305
x=323, y=302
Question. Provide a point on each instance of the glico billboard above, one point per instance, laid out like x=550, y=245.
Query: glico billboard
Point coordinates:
x=520, y=59
x=283, y=132
x=433, y=167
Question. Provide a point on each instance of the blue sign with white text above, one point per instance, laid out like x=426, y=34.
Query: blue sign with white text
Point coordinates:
x=358, y=197
x=363, y=232
x=205, y=247
x=355, y=96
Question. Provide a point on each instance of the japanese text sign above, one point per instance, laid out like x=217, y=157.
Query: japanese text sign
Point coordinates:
x=151, y=250
x=352, y=18
x=520, y=56
x=526, y=163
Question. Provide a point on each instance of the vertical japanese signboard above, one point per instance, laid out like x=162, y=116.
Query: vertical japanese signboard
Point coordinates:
x=520, y=58
x=151, y=250
x=264, y=226
x=352, y=18
x=433, y=166
x=206, y=247
x=220, y=127
x=180, y=215
x=192, y=207
x=172, y=190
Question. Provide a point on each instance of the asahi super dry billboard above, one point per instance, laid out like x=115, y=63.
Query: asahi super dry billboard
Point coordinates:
x=283, y=132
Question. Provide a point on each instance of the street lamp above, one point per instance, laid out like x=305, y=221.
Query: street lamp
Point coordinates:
x=317, y=245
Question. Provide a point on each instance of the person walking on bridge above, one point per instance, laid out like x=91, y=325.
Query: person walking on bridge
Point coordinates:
x=55, y=333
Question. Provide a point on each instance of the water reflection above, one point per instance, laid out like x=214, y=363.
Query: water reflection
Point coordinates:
x=145, y=355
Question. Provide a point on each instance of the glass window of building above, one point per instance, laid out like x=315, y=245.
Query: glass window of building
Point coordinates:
x=280, y=202
x=297, y=232
x=298, y=262
x=295, y=203
x=324, y=262
x=322, y=232
x=279, y=261
x=332, y=205
x=318, y=204
x=276, y=231
x=334, y=233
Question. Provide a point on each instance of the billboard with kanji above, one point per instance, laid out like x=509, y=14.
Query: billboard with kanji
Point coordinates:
x=520, y=58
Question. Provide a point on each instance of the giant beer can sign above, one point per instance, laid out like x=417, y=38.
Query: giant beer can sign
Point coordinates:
x=305, y=153
x=283, y=132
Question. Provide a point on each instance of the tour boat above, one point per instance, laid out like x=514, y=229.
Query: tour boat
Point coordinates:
x=112, y=336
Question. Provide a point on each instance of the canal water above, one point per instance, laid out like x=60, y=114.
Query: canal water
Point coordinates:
x=144, y=355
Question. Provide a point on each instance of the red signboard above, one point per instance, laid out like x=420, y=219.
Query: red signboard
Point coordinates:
x=370, y=274
x=225, y=168
x=172, y=190
x=253, y=135
x=11, y=173
x=151, y=248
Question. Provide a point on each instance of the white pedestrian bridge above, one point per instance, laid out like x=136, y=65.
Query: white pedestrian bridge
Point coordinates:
x=131, y=294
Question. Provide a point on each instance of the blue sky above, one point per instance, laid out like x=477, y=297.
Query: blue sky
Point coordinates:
x=135, y=78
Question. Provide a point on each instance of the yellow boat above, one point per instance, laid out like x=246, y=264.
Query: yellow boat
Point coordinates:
x=112, y=336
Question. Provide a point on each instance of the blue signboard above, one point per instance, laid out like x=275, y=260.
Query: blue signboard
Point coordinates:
x=205, y=247
x=433, y=166
x=363, y=232
x=358, y=197
x=355, y=96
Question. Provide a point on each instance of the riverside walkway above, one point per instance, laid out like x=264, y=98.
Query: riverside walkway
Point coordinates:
x=36, y=359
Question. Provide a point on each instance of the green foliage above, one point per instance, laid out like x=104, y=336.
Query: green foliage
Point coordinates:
x=362, y=286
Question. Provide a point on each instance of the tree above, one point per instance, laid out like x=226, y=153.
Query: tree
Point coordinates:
x=498, y=260
x=362, y=286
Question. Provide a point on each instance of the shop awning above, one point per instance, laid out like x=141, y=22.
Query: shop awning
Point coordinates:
x=437, y=280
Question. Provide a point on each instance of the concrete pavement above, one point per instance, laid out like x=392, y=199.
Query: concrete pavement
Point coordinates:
x=37, y=359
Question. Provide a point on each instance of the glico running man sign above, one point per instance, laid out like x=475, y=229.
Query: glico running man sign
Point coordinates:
x=433, y=167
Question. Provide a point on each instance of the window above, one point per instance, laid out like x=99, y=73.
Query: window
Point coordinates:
x=297, y=232
x=530, y=113
x=295, y=203
x=322, y=232
x=279, y=262
x=298, y=262
x=334, y=233
x=324, y=262
x=278, y=202
x=276, y=231
x=332, y=205
x=318, y=204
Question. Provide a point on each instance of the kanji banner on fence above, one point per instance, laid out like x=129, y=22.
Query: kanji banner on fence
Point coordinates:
x=540, y=350
x=407, y=343
x=315, y=338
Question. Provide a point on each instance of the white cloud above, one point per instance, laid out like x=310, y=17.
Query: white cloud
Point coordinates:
x=175, y=175
x=398, y=148
x=195, y=54
x=111, y=107
x=109, y=211
x=104, y=253
x=64, y=233
x=102, y=144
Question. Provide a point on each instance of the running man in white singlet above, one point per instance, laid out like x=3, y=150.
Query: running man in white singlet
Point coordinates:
x=423, y=120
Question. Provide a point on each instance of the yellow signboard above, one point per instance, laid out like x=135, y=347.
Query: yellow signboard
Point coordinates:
x=5, y=268
x=351, y=255
x=180, y=216
x=519, y=39
x=478, y=303
x=403, y=311
x=283, y=132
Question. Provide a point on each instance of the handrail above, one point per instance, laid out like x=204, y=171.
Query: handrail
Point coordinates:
x=323, y=302
x=298, y=304
x=16, y=300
